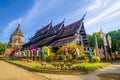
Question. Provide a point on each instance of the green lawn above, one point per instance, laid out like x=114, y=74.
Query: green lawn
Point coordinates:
x=78, y=66
x=89, y=66
x=34, y=64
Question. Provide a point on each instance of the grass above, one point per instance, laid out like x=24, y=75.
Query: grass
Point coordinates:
x=34, y=64
x=80, y=66
x=90, y=66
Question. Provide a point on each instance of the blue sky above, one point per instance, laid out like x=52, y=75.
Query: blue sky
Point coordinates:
x=33, y=14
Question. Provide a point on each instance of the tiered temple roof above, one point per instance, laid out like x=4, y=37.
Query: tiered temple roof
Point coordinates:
x=59, y=34
x=39, y=35
x=67, y=34
x=42, y=31
x=70, y=29
x=54, y=30
x=51, y=34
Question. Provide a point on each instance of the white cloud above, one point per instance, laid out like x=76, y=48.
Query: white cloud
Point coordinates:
x=105, y=14
x=96, y=4
x=10, y=27
x=38, y=9
x=114, y=14
x=78, y=13
x=34, y=10
x=74, y=15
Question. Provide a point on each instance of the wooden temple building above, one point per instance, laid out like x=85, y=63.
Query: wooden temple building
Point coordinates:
x=16, y=39
x=59, y=35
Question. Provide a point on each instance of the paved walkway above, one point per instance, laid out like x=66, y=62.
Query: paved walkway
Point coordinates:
x=115, y=68
x=12, y=72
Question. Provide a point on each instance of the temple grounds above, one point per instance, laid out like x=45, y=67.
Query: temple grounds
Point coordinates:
x=15, y=72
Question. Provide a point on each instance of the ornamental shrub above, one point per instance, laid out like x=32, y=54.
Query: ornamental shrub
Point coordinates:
x=71, y=50
x=49, y=54
x=62, y=57
x=95, y=59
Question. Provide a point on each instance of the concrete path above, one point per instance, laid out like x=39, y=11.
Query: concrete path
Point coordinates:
x=12, y=72
x=115, y=68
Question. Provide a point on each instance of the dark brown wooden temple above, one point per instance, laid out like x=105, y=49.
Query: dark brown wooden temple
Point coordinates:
x=59, y=35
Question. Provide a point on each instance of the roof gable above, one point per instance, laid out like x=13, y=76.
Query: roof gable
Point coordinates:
x=42, y=31
x=70, y=29
x=54, y=30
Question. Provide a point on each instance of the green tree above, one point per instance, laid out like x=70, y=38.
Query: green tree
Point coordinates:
x=115, y=37
x=2, y=47
x=91, y=39
x=99, y=39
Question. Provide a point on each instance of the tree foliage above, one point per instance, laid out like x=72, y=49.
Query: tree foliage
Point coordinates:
x=2, y=46
x=115, y=37
x=91, y=39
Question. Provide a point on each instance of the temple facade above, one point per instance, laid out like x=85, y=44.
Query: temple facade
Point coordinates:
x=59, y=35
x=16, y=39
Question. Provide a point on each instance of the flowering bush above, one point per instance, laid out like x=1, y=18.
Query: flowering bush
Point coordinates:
x=95, y=59
x=47, y=50
x=49, y=55
x=62, y=57
x=71, y=51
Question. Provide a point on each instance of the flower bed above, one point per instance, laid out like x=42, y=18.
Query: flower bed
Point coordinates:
x=62, y=67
